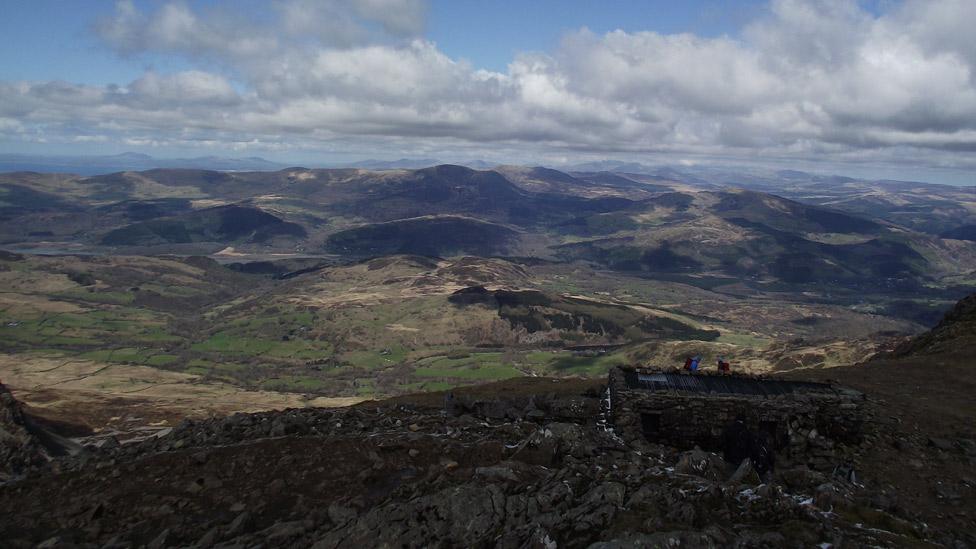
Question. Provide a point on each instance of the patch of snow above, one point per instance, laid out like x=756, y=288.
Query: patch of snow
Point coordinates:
x=749, y=495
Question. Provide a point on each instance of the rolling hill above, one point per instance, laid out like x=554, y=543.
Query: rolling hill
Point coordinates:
x=225, y=224
x=443, y=235
x=649, y=227
x=962, y=232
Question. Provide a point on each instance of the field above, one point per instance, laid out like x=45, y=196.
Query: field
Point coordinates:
x=385, y=327
x=126, y=398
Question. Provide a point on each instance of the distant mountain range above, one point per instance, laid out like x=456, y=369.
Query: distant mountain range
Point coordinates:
x=412, y=164
x=778, y=181
x=755, y=178
x=129, y=161
x=943, y=210
x=841, y=235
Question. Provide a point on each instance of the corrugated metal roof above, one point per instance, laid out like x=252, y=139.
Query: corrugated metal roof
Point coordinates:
x=737, y=385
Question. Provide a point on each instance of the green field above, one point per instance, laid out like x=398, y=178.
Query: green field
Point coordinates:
x=587, y=366
x=388, y=326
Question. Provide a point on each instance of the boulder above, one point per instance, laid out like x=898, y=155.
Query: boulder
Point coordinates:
x=801, y=478
x=745, y=474
x=943, y=444
x=702, y=464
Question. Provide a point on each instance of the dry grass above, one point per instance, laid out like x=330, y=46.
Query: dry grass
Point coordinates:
x=76, y=391
x=35, y=282
x=16, y=304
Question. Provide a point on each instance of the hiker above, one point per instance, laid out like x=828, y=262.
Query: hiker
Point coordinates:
x=723, y=366
x=694, y=363
x=688, y=363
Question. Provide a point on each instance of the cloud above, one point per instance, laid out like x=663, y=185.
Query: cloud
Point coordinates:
x=810, y=79
x=194, y=88
x=176, y=28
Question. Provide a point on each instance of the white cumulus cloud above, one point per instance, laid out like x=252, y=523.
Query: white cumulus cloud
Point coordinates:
x=808, y=79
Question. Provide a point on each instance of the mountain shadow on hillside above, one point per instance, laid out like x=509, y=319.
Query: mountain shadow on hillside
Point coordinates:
x=965, y=232
x=427, y=236
x=219, y=224
x=956, y=332
x=456, y=190
x=536, y=311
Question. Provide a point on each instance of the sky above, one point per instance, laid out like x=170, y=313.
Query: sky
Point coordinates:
x=882, y=88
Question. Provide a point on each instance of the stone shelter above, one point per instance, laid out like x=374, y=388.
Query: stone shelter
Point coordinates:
x=805, y=422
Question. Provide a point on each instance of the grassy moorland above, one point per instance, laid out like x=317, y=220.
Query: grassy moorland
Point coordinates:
x=400, y=324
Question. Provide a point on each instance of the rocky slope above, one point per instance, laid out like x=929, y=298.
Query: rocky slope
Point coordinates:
x=20, y=449
x=926, y=447
x=527, y=463
x=956, y=332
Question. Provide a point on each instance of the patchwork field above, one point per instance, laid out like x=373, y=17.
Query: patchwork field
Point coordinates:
x=177, y=331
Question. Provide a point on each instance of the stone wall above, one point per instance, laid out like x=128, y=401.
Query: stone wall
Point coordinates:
x=805, y=428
